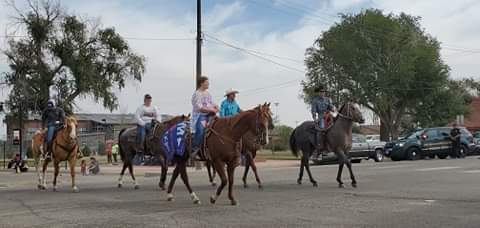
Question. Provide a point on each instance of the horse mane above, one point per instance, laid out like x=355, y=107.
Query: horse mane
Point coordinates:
x=233, y=121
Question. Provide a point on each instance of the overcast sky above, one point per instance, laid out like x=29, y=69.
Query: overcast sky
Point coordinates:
x=284, y=28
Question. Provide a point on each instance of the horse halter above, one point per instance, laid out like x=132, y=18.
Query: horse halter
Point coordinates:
x=258, y=132
x=349, y=115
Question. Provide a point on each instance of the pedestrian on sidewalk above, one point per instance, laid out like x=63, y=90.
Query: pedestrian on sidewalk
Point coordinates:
x=94, y=167
x=115, y=152
x=83, y=168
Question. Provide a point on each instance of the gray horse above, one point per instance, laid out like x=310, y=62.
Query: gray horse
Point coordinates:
x=339, y=141
x=127, y=148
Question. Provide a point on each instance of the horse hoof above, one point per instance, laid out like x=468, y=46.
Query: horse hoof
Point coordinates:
x=214, y=184
x=299, y=182
x=55, y=189
x=212, y=199
x=40, y=187
x=341, y=186
x=170, y=197
x=315, y=184
x=234, y=203
x=120, y=185
x=245, y=185
x=260, y=187
x=354, y=185
x=161, y=186
x=136, y=187
x=197, y=202
x=75, y=189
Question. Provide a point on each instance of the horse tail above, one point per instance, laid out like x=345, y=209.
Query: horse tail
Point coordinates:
x=293, y=144
x=120, y=150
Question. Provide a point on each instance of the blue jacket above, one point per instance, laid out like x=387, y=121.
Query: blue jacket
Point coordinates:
x=321, y=105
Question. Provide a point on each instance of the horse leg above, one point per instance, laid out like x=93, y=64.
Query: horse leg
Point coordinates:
x=44, y=170
x=341, y=163
x=163, y=176
x=120, y=179
x=37, y=169
x=211, y=173
x=184, y=176
x=175, y=173
x=220, y=168
x=300, y=175
x=56, y=165
x=307, y=167
x=254, y=168
x=349, y=166
x=72, y=163
x=247, y=167
x=231, y=175
x=130, y=169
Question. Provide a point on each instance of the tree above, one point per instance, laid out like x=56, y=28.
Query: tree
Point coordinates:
x=61, y=52
x=282, y=137
x=386, y=63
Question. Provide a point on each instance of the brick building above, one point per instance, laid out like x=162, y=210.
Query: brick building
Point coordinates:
x=93, y=129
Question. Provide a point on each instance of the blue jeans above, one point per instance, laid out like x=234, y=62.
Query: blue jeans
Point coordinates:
x=199, y=131
x=141, y=133
x=50, y=133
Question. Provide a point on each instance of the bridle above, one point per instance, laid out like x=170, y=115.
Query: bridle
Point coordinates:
x=349, y=115
x=259, y=137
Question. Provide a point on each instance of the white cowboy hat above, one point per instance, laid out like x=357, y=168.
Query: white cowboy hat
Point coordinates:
x=230, y=91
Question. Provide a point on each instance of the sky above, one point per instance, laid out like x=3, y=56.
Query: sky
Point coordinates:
x=276, y=32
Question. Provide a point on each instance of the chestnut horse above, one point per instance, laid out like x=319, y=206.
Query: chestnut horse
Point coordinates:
x=222, y=140
x=127, y=147
x=64, y=148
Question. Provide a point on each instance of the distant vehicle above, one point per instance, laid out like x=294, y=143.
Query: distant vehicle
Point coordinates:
x=373, y=138
x=429, y=142
x=361, y=149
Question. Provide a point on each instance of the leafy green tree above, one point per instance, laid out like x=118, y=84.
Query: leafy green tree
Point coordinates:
x=63, y=53
x=386, y=63
x=281, y=141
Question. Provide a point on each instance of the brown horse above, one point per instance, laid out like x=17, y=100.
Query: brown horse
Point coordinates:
x=339, y=141
x=249, y=150
x=64, y=148
x=222, y=143
x=128, y=147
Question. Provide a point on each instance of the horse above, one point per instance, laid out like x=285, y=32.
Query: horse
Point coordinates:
x=249, y=149
x=127, y=148
x=338, y=140
x=181, y=167
x=64, y=148
x=222, y=143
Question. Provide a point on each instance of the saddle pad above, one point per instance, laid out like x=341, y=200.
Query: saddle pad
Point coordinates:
x=174, y=141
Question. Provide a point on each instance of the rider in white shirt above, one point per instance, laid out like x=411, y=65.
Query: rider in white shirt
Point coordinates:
x=144, y=116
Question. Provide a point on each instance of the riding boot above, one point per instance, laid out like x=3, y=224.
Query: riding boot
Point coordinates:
x=48, y=156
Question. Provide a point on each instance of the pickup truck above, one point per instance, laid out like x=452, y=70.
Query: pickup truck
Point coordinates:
x=361, y=149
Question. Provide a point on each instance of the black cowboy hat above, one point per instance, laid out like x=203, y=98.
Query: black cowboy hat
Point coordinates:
x=147, y=96
x=320, y=88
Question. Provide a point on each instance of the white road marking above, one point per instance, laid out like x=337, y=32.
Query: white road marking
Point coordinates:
x=391, y=167
x=472, y=171
x=439, y=168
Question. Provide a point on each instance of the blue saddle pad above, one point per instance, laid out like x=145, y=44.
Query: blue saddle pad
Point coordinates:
x=174, y=141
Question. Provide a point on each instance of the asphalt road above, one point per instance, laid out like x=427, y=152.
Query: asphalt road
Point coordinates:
x=429, y=193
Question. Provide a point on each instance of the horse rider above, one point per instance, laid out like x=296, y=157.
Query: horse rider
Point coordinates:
x=229, y=106
x=145, y=116
x=321, y=105
x=52, y=118
x=203, y=108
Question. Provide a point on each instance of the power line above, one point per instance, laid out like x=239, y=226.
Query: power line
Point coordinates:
x=214, y=39
x=127, y=38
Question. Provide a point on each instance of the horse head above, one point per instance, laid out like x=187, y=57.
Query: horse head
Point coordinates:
x=264, y=123
x=352, y=111
x=71, y=127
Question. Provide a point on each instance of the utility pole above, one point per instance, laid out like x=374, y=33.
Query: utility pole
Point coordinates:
x=199, y=41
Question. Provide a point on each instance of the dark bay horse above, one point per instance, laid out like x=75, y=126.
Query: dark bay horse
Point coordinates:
x=222, y=143
x=339, y=141
x=127, y=148
x=64, y=148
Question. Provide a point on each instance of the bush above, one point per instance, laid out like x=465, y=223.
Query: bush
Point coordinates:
x=86, y=151
x=101, y=149
x=29, y=152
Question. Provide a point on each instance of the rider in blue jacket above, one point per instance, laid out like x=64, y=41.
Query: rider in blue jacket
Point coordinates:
x=321, y=105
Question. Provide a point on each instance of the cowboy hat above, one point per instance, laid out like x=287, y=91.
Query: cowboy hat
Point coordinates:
x=230, y=91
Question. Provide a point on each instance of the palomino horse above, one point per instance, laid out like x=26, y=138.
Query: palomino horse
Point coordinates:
x=223, y=138
x=339, y=141
x=127, y=148
x=64, y=148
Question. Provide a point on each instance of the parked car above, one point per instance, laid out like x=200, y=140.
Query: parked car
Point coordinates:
x=361, y=149
x=428, y=142
x=373, y=138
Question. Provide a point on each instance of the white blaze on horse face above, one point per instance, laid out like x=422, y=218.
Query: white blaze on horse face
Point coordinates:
x=73, y=133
